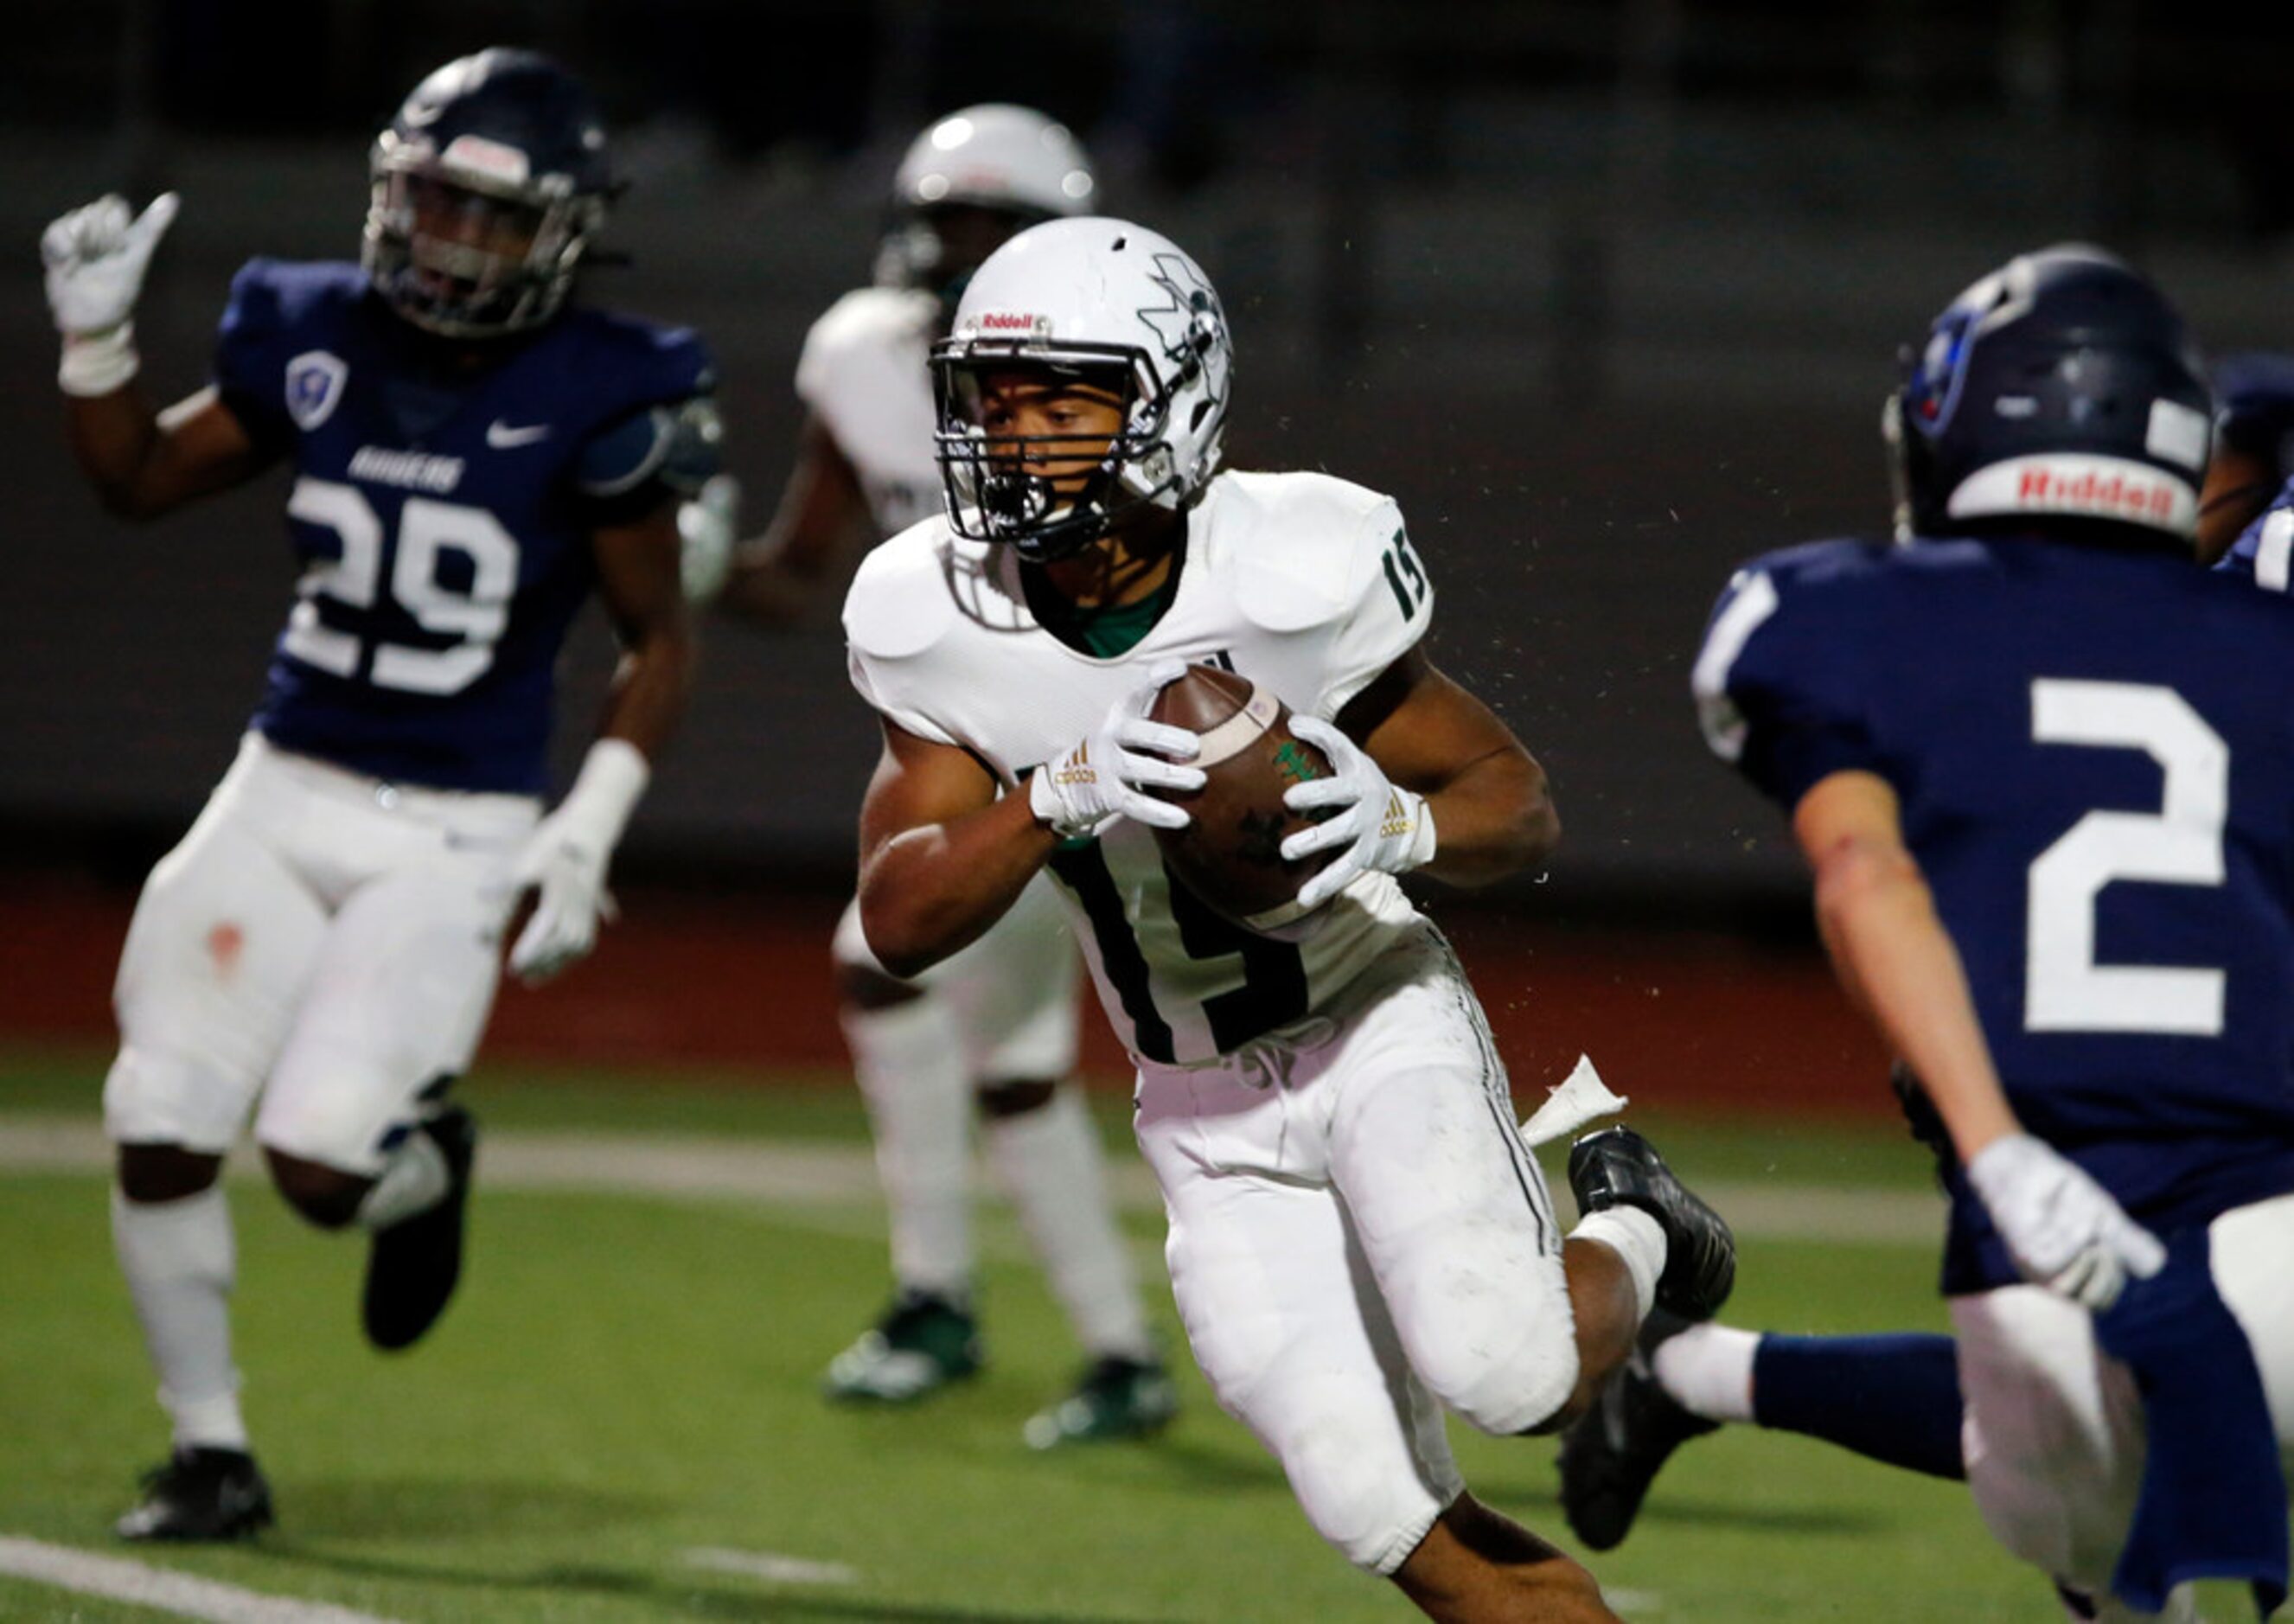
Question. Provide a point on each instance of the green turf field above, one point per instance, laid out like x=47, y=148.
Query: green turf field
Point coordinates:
x=632, y=1378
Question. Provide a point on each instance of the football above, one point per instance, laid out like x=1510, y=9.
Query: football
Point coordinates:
x=1230, y=856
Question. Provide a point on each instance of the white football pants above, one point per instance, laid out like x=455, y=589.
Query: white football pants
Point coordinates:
x=322, y=939
x=2053, y=1429
x=1358, y=1238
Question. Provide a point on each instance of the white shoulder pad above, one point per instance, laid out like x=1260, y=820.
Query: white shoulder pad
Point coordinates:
x=864, y=327
x=1298, y=546
x=900, y=604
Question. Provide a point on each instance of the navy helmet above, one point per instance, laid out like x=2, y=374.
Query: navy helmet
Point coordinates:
x=486, y=190
x=2061, y=386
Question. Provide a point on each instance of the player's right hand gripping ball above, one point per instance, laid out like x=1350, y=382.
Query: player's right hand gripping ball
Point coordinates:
x=1119, y=769
x=1230, y=854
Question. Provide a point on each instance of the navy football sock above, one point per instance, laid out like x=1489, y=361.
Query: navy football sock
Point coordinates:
x=1893, y=1398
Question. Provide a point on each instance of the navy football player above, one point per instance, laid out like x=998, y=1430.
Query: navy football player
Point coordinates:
x=2253, y=447
x=2038, y=764
x=472, y=457
x=991, y=1033
x=1894, y=1397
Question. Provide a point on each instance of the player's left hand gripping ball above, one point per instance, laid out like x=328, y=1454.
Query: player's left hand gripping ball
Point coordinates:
x=566, y=856
x=1106, y=775
x=1376, y=824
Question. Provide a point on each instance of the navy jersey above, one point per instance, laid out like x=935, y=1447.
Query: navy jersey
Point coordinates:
x=442, y=516
x=2094, y=758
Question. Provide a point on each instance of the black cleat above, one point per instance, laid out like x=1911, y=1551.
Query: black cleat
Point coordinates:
x=201, y=1494
x=1610, y=1454
x=412, y=1266
x=1617, y=1167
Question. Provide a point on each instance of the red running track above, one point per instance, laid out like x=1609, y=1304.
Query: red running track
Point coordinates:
x=1670, y=1017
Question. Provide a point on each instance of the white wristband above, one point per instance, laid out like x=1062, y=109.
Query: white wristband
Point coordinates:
x=1421, y=836
x=614, y=775
x=97, y=363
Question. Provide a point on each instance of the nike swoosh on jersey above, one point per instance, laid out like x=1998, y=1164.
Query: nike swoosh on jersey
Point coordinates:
x=502, y=437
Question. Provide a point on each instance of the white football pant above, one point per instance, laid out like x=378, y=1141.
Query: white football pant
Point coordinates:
x=322, y=939
x=2053, y=1434
x=1358, y=1237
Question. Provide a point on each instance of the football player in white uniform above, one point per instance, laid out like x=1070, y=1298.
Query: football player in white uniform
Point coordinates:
x=993, y=1029
x=1358, y=1236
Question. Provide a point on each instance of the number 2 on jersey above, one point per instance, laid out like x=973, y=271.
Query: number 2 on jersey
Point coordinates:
x=426, y=531
x=2064, y=988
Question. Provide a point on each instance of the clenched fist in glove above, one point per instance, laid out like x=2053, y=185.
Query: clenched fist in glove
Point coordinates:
x=565, y=861
x=1104, y=776
x=2062, y=1228
x=1377, y=824
x=96, y=256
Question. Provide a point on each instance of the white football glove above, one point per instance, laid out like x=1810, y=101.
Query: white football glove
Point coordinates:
x=1378, y=824
x=565, y=859
x=708, y=527
x=1103, y=776
x=96, y=256
x=2062, y=1228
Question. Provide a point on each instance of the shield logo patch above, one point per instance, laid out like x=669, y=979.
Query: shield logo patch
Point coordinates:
x=315, y=387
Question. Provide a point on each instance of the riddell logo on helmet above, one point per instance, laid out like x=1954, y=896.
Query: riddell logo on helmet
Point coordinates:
x=2087, y=487
x=1005, y=321
x=2112, y=495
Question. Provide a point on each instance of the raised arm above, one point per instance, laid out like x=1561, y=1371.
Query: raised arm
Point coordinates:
x=140, y=462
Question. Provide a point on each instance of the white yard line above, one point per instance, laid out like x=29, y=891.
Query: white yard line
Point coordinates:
x=772, y=1566
x=810, y=1176
x=118, y=1579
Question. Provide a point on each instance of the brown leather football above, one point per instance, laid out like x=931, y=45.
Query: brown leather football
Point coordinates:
x=1230, y=856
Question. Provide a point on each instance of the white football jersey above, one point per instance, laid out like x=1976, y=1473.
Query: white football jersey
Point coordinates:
x=863, y=372
x=1300, y=581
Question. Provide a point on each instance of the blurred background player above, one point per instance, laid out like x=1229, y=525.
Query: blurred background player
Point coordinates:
x=2253, y=448
x=472, y=457
x=994, y=1028
x=1358, y=1238
x=2106, y=1078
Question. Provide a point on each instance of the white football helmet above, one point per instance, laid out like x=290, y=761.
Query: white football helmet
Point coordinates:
x=1007, y=160
x=995, y=156
x=1093, y=298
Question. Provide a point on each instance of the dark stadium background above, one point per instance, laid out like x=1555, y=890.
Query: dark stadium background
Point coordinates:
x=1606, y=295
